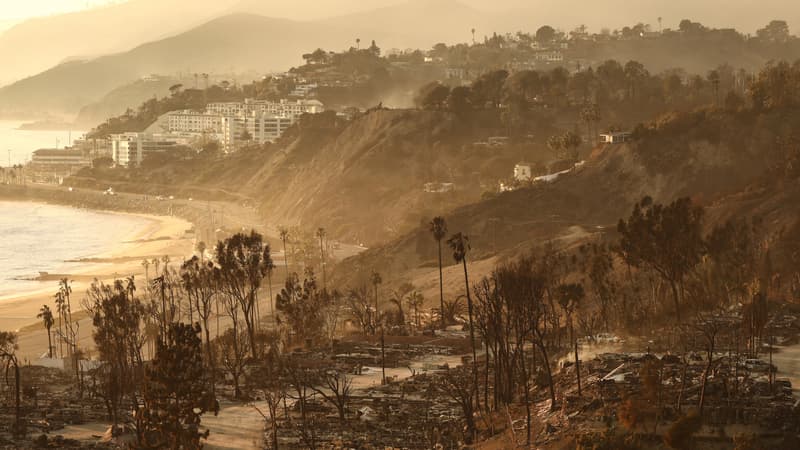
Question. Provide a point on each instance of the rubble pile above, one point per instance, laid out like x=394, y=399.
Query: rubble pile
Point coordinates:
x=647, y=392
x=409, y=414
x=49, y=401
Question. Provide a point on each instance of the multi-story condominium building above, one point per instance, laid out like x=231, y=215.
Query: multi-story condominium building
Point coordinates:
x=193, y=122
x=260, y=128
x=226, y=108
x=130, y=149
x=281, y=108
x=286, y=107
x=264, y=121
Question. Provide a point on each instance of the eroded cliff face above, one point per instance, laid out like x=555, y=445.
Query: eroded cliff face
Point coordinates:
x=726, y=162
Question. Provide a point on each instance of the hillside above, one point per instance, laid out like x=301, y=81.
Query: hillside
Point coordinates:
x=708, y=53
x=717, y=158
x=316, y=175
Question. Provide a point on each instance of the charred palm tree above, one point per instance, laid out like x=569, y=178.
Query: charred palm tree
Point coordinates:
x=321, y=235
x=438, y=228
x=146, y=265
x=459, y=244
x=376, y=280
x=284, y=237
x=47, y=320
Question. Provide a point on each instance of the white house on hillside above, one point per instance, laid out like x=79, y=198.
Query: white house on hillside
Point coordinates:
x=617, y=137
x=522, y=172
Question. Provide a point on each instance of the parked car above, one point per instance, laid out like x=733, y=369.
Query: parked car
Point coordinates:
x=757, y=365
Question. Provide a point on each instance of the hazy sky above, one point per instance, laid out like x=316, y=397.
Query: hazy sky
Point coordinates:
x=743, y=14
x=15, y=10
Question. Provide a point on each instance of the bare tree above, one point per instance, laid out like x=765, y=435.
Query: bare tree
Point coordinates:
x=667, y=239
x=361, y=310
x=459, y=385
x=709, y=326
x=232, y=355
x=335, y=388
x=117, y=316
x=300, y=378
x=243, y=261
x=332, y=312
x=201, y=283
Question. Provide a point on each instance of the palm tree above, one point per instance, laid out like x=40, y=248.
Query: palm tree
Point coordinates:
x=714, y=79
x=270, y=266
x=201, y=249
x=321, y=236
x=415, y=301
x=146, y=265
x=60, y=310
x=585, y=116
x=284, y=237
x=438, y=228
x=47, y=319
x=473, y=36
x=401, y=314
x=595, y=118
x=63, y=297
x=376, y=280
x=358, y=43
x=459, y=244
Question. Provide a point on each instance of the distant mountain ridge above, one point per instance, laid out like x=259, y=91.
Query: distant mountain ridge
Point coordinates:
x=239, y=42
x=232, y=43
x=254, y=43
x=40, y=43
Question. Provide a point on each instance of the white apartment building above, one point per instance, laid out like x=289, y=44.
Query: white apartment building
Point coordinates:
x=193, y=122
x=130, y=149
x=226, y=108
x=262, y=128
x=281, y=108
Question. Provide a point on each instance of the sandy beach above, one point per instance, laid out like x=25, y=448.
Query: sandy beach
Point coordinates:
x=160, y=236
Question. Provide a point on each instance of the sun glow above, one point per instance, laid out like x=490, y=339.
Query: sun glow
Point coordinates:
x=13, y=10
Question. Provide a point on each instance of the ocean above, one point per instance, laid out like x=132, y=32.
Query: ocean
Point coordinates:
x=18, y=145
x=38, y=238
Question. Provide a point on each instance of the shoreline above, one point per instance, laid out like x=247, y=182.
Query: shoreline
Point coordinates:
x=183, y=221
x=159, y=236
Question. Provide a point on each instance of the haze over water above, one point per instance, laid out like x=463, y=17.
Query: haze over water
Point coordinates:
x=23, y=143
x=45, y=236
